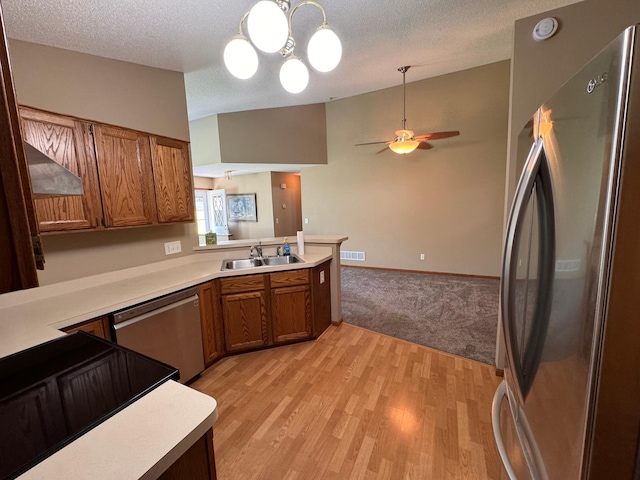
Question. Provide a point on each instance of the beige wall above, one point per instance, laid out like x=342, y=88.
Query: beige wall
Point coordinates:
x=260, y=184
x=205, y=141
x=446, y=202
x=203, y=183
x=110, y=91
x=101, y=89
x=274, y=135
x=286, y=221
x=540, y=68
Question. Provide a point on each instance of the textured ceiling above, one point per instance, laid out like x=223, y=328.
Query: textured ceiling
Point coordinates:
x=378, y=36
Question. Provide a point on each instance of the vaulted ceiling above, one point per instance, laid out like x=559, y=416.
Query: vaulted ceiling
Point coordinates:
x=378, y=36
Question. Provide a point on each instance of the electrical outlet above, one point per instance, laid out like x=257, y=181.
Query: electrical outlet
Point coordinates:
x=322, y=276
x=172, y=247
x=277, y=220
x=422, y=256
x=306, y=220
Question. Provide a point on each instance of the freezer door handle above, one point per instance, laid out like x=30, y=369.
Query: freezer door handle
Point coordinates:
x=498, y=397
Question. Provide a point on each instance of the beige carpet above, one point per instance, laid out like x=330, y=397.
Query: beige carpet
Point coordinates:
x=453, y=314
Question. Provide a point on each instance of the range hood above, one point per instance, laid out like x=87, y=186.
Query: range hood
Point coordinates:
x=49, y=177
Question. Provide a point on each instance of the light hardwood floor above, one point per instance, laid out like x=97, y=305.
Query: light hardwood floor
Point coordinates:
x=353, y=404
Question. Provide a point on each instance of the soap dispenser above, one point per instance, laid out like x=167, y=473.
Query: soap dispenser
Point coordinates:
x=286, y=249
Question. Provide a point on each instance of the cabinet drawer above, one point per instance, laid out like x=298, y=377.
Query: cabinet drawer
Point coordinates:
x=290, y=278
x=245, y=283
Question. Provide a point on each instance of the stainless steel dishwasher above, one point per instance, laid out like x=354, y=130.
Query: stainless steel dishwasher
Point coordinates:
x=167, y=329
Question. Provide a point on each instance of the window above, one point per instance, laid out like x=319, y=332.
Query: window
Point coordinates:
x=211, y=213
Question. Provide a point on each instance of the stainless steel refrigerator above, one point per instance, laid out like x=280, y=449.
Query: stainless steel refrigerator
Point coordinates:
x=569, y=405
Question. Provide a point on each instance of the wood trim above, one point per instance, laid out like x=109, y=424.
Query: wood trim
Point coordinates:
x=467, y=275
x=17, y=261
x=499, y=372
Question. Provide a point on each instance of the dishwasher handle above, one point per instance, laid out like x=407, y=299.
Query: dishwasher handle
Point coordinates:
x=151, y=305
x=157, y=311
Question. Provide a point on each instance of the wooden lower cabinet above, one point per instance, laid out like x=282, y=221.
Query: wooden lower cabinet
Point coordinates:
x=98, y=327
x=245, y=321
x=253, y=311
x=211, y=321
x=291, y=316
x=197, y=463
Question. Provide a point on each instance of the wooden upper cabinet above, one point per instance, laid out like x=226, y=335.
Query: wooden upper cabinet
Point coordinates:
x=67, y=141
x=172, y=180
x=126, y=180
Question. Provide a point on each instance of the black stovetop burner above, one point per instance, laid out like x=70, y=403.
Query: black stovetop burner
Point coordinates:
x=55, y=392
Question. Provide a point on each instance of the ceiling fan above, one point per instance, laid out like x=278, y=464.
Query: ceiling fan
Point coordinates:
x=405, y=140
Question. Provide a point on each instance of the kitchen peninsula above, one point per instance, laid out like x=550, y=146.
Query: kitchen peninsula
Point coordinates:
x=146, y=438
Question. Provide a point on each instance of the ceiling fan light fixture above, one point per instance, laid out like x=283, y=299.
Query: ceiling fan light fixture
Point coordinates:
x=403, y=146
x=294, y=75
x=240, y=58
x=405, y=142
x=324, y=49
x=268, y=26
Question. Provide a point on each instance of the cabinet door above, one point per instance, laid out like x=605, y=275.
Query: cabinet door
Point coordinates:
x=245, y=320
x=64, y=140
x=172, y=180
x=126, y=181
x=211, y=321
x=291, y=313
x=98, y=327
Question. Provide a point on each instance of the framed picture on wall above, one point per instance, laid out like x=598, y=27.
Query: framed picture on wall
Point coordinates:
x=241, y=207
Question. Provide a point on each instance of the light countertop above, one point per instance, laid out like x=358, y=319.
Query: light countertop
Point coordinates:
x=145, y=438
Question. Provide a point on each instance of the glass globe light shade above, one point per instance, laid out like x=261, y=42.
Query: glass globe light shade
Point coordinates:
x=240, y=58
x=324, y=49
x=268, y=26
x=404, y=142
x=294, y=75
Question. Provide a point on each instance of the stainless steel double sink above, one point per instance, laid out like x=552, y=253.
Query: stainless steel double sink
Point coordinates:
x=240, y=263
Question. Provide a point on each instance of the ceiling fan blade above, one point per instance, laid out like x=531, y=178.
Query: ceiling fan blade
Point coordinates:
x=425, y=145
x=383, y=150
x=437, y=135
x=372, y=143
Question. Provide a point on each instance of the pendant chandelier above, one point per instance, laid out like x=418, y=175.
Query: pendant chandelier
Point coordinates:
x=269, y=30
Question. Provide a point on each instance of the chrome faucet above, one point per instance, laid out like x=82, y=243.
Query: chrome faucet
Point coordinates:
x=258, y=250
x=278, y=251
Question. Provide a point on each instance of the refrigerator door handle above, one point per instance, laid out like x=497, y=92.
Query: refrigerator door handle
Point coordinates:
x=523, y=190
x=498, y=397
x=536, y=176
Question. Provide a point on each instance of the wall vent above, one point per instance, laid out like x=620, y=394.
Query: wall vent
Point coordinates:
x=567, y=265
x=347, y=255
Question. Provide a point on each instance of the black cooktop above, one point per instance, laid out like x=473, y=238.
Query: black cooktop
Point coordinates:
x=55, y=392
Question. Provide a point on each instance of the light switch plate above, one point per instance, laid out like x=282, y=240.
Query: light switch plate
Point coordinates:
x=172, y=247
